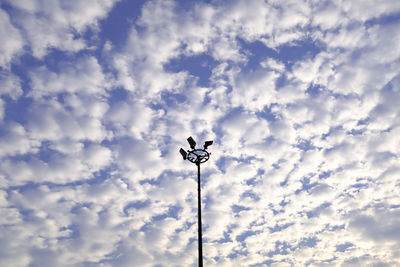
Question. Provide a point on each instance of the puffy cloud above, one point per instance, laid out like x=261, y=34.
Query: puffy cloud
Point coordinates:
x=83, y=77
x=57, y=24
x=16, y=141
x=10, y=85
x=51, y=121
x=13, y=44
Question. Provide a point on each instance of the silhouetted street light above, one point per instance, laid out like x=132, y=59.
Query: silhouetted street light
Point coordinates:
x=197, y=156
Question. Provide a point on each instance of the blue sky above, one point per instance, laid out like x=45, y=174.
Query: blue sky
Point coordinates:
x=301, y=99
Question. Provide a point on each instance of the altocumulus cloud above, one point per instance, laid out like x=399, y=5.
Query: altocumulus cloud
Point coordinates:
x=301, y=98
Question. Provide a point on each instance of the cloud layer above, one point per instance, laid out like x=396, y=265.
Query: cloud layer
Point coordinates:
x=301, y=100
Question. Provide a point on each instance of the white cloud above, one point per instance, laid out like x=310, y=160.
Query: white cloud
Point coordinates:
x=1, y=109
x=51, y=121
x=303, y=170
x=57, y=24
x=131, y=117
x=13, y=44
x=16, y=141
x=10, y=85
x=82, y=77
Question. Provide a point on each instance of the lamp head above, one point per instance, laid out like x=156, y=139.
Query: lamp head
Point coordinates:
x=192, y=143
x=183, y=153
x=207, y=144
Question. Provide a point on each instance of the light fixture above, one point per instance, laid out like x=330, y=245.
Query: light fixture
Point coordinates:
x=207, y=144
x=197, y=156
x=191, y=142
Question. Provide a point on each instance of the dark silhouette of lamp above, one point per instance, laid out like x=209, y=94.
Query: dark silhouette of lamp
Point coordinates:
x=191, y=142
x=197, y=156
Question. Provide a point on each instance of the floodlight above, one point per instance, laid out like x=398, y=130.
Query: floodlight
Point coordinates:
x=197, y=156
x=207, y=144
x=192, y=143
x=183, y=153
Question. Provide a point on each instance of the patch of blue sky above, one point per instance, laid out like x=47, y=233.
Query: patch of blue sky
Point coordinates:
x=238, y=208
x=287, y=53
x=305, y=145
x=116, y=26
x=256, y=52
x=28, y=215
x=360, y=185
x=187, y=225
x=356, y=132
x=227, y=238
x=5, y=6
x=17, y=110
x=237, y=253
x=242, y=237
x=276, y=211
x=280, y=227
x=56, y=59
x=286, y=179
x=386, y=19
x=171, y=99
x=365, y=121
x=314, y=90
x=254, y=181
x=79, y=206
x=173, y=212
x=281, y=248
x=306, y=185
x=72, y=230
x=231, y=114
x=293, y=52
x=118, y=95
x=264, y=263
x=331, y=130
x=216, y=258
x=309, y=242
x=283, y=203
x=268, y=114
x=131, y=207
x=317, y=211
x=343, y=247
x=325, y=175
x=146, y=227
x=250, y=194
x=221, y=163
x=200, y=66
x=333, y=228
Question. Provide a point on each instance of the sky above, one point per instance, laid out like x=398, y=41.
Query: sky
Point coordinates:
x=301, y=98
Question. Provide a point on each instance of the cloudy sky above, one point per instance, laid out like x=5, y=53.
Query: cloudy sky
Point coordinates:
x=301, y=99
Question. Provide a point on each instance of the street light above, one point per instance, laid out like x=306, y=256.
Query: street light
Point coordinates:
x=197, y=156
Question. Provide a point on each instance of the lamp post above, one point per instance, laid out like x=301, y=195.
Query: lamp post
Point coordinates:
x=197, y=156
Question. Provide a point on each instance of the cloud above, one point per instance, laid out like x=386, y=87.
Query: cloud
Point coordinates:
x=55, y=24
x=14, y=42
x=300, y=98
x=83, y=77
x=10, y=85
x=15, y=141
x=1, y=109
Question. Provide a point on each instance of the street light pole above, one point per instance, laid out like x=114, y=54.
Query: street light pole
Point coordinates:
x=197, y=156
x=199, y=216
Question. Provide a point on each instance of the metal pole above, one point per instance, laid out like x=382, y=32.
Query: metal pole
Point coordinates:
x=199, y=216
